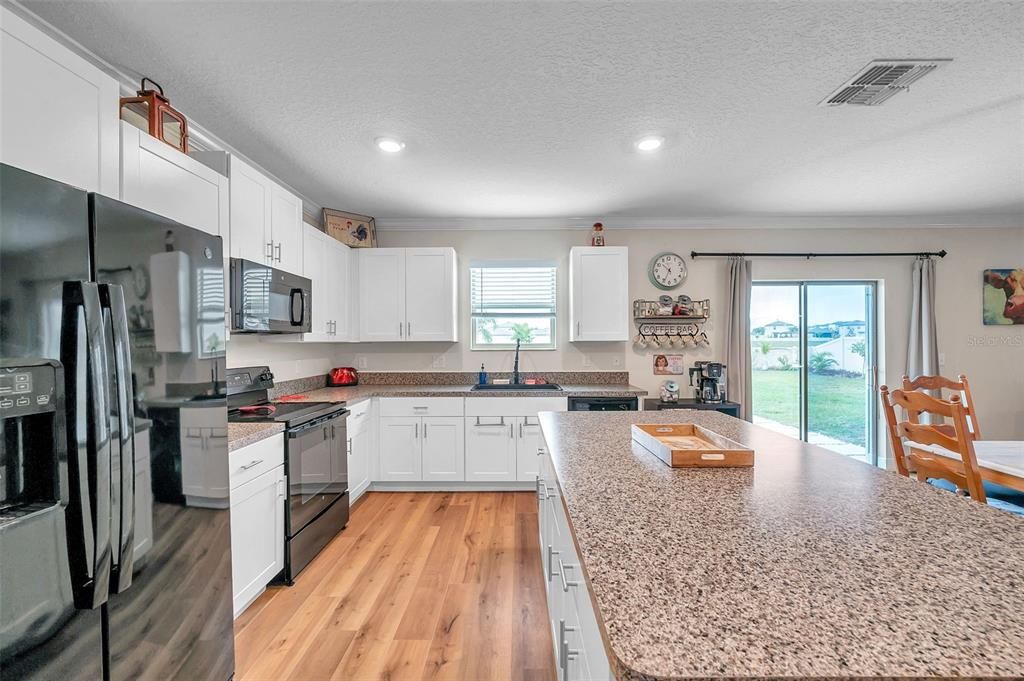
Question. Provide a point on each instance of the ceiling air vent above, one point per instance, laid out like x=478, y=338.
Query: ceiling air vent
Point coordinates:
x=880, y=80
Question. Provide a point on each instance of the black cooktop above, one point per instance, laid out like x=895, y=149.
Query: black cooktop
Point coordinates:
x=288, y=413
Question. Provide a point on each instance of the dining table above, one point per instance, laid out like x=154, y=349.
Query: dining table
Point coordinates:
x=999, y=461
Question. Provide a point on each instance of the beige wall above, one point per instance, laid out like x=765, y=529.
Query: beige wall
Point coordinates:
x=992, y=356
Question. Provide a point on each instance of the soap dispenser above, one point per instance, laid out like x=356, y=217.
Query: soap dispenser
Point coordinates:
x=483, y=375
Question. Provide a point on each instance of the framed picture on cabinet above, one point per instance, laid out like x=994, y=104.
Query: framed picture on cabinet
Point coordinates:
x=351, y=229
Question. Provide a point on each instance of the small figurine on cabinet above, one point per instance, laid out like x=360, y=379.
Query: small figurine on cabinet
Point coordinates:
x=597, y=236
x=670, y=392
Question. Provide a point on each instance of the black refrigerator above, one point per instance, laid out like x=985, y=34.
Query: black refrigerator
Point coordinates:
x=115, y=555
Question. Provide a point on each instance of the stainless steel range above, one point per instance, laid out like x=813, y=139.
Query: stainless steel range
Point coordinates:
x=316, y=462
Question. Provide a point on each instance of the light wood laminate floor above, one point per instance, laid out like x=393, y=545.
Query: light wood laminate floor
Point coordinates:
x=419, y=586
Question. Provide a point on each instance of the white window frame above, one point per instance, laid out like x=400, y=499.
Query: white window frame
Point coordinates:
x=474, y=316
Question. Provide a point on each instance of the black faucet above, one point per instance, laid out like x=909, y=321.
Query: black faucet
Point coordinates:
x=515, y=365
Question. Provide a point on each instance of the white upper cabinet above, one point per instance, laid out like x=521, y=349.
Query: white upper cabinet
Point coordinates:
x=599, y=306
x=430, y=294
x=266, y=219
x=286, y=229
x=327, y=263
x=250, y=220
x=337, y=295
x=58, y=112
x=314, y=255
x=407, y=294
x=382, y=294
x=161, y=179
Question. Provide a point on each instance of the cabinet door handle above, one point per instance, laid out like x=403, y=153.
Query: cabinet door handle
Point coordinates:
x=540, y=452
x=540, y=490
x=408, y=329
x=511, y=432
x=255, y=462
x=520, y=430
x=280, y=489
x=579, y=327
x=270, y=251
x=417, y=435
x=350, y=446
x=278, y=249
x=562, y=567
x=565, y=652
x=424, y=430
x=551, y=562
x=400, y=328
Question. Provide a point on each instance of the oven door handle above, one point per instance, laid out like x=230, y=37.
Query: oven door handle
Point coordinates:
x=316, y=423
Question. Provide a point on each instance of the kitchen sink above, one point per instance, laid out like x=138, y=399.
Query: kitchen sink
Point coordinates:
x=526, y=387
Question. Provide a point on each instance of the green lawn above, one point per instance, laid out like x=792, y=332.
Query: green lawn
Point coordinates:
x=835, y=403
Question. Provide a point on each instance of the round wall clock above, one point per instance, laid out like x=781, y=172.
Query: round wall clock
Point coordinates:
x=667, y=271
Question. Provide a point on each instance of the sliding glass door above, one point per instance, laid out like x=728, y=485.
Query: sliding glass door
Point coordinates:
x=813, y=348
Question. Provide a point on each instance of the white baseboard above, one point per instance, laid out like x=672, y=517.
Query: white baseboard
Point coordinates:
x=457, y=486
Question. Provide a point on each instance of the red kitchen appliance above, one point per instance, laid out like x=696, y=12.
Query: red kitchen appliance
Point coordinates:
x=340, y=376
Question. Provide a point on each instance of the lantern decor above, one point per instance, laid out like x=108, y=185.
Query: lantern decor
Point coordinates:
x=151, y=111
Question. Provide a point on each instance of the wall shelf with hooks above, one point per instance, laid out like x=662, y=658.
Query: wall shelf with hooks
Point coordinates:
x=667, y=322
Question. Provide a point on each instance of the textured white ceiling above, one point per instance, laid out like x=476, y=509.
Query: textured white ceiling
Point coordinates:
x=530, y=109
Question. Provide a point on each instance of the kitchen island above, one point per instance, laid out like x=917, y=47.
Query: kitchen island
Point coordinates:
x=808, y=565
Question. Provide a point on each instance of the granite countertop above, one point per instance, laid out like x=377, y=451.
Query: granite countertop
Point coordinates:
x=357, y=393
x=243, y=434
x=808, y=565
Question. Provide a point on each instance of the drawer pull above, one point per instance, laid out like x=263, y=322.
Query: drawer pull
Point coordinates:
x=551, y=561
x=562, y=567
x=251, y=464
x=499, y=424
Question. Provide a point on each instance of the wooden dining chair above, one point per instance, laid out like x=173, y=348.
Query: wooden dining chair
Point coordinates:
x=963, y=473
x=958, y=387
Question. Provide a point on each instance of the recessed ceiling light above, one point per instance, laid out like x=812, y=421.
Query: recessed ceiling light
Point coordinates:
x=650, y=143
x=389, y=144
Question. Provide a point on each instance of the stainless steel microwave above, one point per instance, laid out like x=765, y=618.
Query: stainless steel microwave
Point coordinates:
x=268, y=300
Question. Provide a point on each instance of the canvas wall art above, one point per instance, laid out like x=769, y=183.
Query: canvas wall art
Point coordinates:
x=1003, y=296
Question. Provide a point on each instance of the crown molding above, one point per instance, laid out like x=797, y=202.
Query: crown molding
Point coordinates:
x=1001, y=221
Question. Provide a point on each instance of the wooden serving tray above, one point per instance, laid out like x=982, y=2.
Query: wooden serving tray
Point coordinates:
x=687, y=445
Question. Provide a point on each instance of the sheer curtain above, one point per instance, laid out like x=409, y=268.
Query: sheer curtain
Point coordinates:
x=923, y=345
x=737, y=335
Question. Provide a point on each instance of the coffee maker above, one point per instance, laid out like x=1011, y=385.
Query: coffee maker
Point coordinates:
x=710, y=386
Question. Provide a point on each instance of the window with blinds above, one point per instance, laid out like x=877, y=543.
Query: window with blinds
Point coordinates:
x=512, y=301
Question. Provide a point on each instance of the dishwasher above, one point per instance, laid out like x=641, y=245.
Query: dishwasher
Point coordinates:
x=603, y=403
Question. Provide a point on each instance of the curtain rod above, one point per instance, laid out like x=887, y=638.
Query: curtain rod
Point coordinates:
x=923, y=254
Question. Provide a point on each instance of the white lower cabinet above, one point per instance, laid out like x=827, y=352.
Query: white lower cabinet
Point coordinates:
x=415, y=449
x=258, y=489
x=443, y=448
x=490, y=449
x=579, y=649
x=527, y=461
x=400, y=459
x=360, y=449
x=502, y=437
